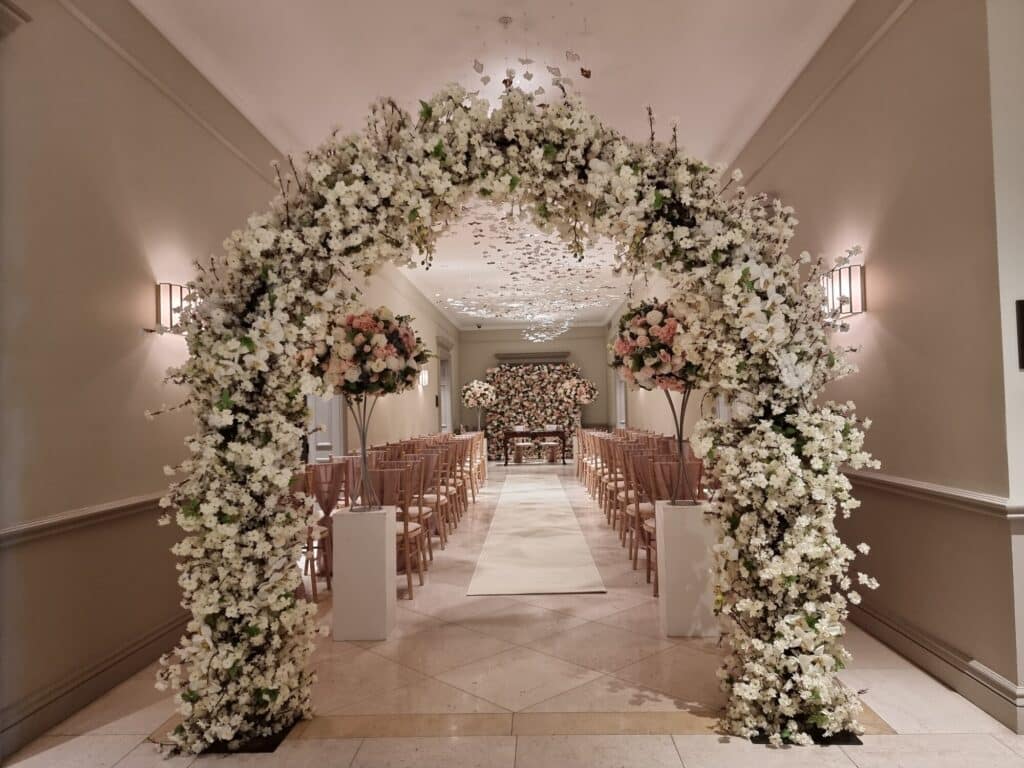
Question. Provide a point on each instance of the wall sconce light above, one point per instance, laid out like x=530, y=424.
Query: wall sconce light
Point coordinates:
x=424, y=378
x=171, y=299
x=843, y=289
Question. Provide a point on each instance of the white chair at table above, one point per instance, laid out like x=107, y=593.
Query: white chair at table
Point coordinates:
x=549, y=444
x=520, y=444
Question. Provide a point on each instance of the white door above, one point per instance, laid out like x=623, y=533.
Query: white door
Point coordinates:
x=444, y=387
x=326, y=417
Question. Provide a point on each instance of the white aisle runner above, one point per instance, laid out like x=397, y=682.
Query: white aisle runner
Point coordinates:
x=535, y=545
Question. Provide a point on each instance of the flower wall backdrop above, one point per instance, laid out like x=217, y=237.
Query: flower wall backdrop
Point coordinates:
x=530, y=394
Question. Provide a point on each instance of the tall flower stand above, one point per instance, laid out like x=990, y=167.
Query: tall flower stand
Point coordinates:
x=363, y=583
x=685, y=596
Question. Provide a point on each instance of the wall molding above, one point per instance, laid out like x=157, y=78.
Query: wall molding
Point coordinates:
x=828, y=90
x=957, y=498
x=76, y=518
x=86, y=21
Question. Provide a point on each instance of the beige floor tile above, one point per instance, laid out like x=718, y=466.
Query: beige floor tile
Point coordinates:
x=727, y=752
x=292, y=753
x=686, y=672
x=590, y=607
x=519, y=622
x=611, y=723
x=601, y=647
x=428, y=697
x=458, y=752
x=933, y=751
x=134, y=706
x=449, y=602
x=328, y=649
x=911, y=701
x=88, y=751
x=433, y=651
x=591, y=751
x=642, y=619
x=407, y=622
x=149, y=755
x=1013, y=741
x=408, y=725
x=518, y=678
x=610, y=694
x=344, y=681
x=869, y=653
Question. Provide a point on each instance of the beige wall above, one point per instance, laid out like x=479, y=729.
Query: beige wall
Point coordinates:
x=587, y=347
x=121, y=165
x=886, y=140
x=414, y=412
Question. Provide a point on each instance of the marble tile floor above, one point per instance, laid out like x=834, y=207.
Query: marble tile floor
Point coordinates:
x=551, y=680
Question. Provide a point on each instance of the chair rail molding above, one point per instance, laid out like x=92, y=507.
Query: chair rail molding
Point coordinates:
x=76, y=518
x=958, y=498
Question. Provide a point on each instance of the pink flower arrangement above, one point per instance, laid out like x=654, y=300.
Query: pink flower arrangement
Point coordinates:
x=372, y=352
x=648, y=351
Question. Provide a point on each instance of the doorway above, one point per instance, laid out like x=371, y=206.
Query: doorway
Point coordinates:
x=326, y=428
x=444, y=388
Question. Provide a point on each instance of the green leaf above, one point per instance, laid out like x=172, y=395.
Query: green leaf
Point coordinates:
x=190, y=696
x=438, y=150
x=485, y=192
x=248, y=343
x=659, y=200
x=549, y=151
x=811, y=619
x=225, y=402
x=413, y=215
x=190, y=508
x=513, y=183
x=426, y=111
x=252, y=630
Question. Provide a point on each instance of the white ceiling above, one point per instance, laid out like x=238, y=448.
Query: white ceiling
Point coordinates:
x=299, y=69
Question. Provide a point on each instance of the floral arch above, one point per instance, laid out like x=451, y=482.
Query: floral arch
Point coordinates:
x=756, y=333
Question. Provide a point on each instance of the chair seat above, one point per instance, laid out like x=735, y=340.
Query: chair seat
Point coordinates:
x=650, y=526
x=431, y=500
x=646, y=509
x=414, y=530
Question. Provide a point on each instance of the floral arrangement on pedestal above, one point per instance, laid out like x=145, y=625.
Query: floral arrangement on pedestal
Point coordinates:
x=369, y=354
x=579, y=391
x=478, y=394
x=648, y=354
x=528, y=394
x=753, y=327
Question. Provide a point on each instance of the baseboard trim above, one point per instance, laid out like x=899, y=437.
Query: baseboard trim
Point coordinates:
x=978, y=683
x=32, y=716
x=76, y=518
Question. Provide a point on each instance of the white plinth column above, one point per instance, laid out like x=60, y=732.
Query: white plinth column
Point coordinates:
x=363, y=583
x=685, y=602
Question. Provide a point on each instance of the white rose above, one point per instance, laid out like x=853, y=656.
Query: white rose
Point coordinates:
x=654, y=317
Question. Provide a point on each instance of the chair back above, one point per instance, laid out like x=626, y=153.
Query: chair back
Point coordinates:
x=325, y=482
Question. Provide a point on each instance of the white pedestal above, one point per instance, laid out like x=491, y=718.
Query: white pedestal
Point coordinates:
x=686, y=599
x=363, y=583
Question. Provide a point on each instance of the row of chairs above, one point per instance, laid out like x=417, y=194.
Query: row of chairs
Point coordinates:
x=626, y=472
x=430, y=480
